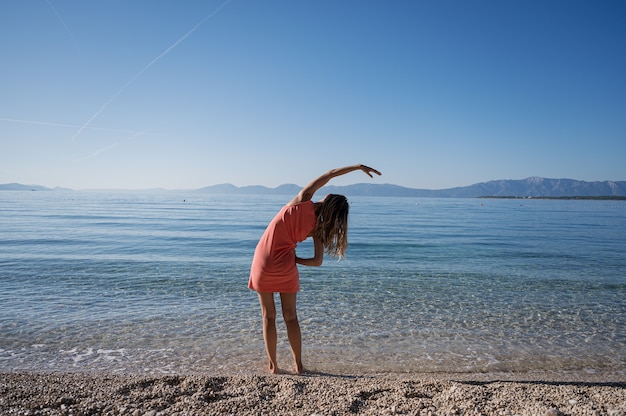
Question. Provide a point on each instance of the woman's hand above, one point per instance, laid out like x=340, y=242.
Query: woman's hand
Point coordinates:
x=318, y=256
x=307, y=192
x=369, y=170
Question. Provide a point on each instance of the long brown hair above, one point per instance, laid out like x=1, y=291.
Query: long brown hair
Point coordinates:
x=332, y=224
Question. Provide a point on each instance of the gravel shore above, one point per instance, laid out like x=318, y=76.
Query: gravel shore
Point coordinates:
x=312, y=394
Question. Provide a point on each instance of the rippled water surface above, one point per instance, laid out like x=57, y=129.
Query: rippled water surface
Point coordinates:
x=157, y=283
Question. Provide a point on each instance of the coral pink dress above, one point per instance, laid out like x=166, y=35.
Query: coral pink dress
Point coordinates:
x=274, y=264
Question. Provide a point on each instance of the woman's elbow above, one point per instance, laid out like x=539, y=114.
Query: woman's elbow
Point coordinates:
x=317, y=262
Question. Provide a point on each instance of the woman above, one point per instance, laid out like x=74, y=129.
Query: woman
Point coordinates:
x=274, y=267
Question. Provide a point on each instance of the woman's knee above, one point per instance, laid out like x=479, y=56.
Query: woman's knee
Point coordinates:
x=288, y=305
x=290, y=314
x=269, y=317
x=268, y=314
x=268, y=308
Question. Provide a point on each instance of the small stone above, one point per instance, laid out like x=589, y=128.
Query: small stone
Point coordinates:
x=553, y=412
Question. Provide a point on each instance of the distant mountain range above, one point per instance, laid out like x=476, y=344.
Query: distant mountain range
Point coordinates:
x=20, y=187
x=530, y=187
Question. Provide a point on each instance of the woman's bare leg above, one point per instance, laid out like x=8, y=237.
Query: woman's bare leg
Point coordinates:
x=268, y=311
x=288, y=303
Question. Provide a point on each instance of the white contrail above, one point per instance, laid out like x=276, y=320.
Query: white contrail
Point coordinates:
x=47, y=123
x=145, y=68
x=97, y=152
x=67, y=29
x=109, y=147
x=42, y=123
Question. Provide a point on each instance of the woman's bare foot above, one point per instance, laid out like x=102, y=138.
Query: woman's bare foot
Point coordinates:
x=272, y=368
x=299, y=368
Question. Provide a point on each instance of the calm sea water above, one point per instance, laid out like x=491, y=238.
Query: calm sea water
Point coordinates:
x=157, y=283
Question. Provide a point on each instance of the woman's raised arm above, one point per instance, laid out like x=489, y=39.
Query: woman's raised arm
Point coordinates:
x=308, y=191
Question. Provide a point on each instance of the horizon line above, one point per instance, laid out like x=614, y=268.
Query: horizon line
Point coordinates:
x=153, y=189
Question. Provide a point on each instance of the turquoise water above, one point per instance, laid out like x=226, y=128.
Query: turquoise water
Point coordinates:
x=157, y=283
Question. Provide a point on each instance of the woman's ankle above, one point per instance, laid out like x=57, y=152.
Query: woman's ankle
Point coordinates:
x=272, y=368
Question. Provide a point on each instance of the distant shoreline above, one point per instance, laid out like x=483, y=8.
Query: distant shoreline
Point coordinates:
x=593, y=198
x=533, y=187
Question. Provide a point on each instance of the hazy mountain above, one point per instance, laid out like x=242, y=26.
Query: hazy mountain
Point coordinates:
x=539, y=187
x=20, y=187
x=227, y=188
x=534, y=186
x=530, y=187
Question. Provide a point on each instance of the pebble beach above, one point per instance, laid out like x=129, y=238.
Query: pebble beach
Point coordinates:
x=311, y=394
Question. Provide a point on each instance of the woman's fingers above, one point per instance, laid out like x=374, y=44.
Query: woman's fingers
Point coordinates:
x=369, y=171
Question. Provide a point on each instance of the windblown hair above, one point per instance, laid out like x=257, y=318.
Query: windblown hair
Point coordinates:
x=332, y=225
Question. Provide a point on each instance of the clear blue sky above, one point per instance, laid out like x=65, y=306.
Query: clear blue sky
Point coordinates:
x=435, y=94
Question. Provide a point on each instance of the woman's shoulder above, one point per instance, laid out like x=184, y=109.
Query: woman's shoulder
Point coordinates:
x=303, y=196
x=299, y=210
x=296, y=201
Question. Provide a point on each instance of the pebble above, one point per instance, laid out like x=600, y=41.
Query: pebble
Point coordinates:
x=553, y=412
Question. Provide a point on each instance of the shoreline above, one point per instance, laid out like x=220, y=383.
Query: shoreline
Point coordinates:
x=252, y=393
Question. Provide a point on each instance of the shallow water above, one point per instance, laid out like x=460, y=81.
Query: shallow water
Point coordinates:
x=157, y=283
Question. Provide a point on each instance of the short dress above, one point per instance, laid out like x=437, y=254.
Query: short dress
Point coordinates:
x=274, y=266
